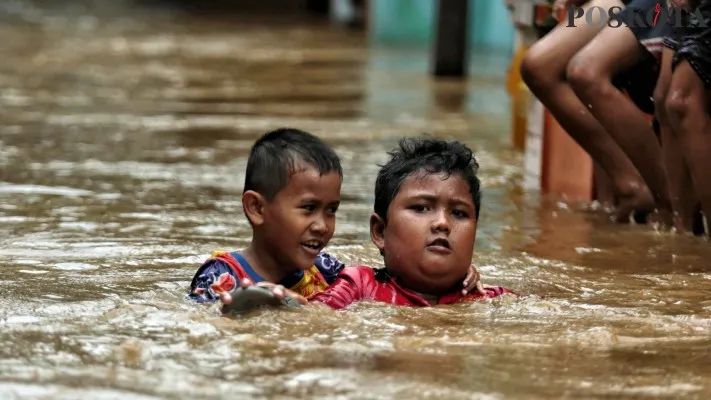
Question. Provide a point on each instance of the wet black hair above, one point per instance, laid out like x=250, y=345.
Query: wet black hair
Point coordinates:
x=434, y=156
x=275, y=156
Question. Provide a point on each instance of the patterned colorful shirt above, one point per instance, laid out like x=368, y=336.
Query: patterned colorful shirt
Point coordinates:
x=223, y=271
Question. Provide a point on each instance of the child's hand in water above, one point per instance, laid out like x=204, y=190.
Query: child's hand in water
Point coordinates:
x=472, y=281
x=278, y=291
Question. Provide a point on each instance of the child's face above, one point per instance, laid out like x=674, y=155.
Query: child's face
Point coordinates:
x=428, y=240
x=299, y=222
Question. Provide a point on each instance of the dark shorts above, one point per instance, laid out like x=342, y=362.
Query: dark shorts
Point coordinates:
x=638, y=82
x=691, y=40
x=639, y=16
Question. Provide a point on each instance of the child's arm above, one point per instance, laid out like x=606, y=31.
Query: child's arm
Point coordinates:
x=346, y=289
x=212, y=278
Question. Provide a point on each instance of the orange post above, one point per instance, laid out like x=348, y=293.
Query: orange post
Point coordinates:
x=519, y=94
x=567, y=170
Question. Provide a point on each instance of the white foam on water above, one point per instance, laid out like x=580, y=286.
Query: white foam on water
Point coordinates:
x=24, y=391
x=108, y=196
x=87, y=226
x=209, y=229
x=180, y=260
x=141, y=216
x=69, y=266
x=39, y=189
x=13, y=218
x=21, y=319
x=27, y=262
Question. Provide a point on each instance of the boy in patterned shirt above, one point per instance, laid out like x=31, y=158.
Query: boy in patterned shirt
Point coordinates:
x=291, y=193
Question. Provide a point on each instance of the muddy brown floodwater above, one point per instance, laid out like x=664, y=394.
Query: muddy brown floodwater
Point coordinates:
x=125, y=127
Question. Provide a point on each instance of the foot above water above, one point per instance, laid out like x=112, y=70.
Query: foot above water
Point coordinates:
x=637, y=205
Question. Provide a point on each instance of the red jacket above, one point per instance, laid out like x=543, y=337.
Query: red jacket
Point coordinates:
x=364, y=283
